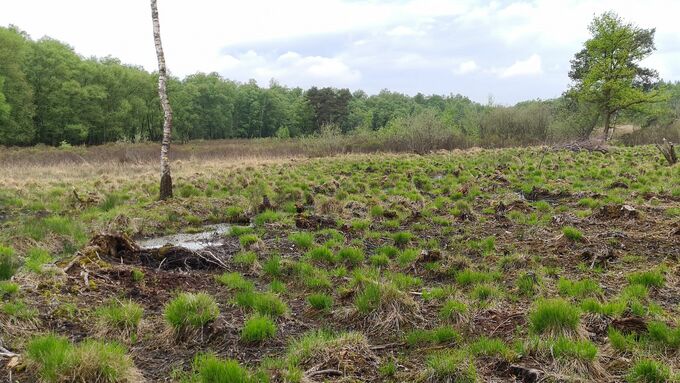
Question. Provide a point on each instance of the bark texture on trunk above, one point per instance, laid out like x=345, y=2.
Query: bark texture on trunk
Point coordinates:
x=607, y=121
x=166, y=179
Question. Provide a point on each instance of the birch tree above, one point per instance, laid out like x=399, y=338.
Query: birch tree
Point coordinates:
x=166, y=179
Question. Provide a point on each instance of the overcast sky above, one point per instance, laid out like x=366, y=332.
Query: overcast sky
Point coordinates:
x=510, y=50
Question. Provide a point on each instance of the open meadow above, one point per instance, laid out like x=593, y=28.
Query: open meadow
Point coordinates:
x=520, y=264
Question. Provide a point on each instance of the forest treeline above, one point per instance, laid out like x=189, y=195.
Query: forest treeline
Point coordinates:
x=51, y=95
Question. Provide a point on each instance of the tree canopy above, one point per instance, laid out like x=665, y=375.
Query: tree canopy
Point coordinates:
x=607, y=72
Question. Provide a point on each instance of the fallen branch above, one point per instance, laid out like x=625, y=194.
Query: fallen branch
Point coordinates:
x=388, y=345
x=323, y=372
x=5, y=353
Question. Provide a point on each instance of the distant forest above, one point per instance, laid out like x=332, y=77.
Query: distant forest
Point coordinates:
x=51, y=95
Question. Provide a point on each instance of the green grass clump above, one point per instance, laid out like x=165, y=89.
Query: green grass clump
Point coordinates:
x=208, y=368
x=663, y=335
x=70, y=228
x=651, y=278
x=406, y=257
x=8, y=288
x=35, y=259
x=451, y=366
x=351, y=255
x=402, y=238
x=360, y=224
x=484, y=292
x=437, y=293
x=486, y=245
x=237, y=231
x=320, y=301
x=258, y=328
x=54, y=359
x=18, y=310
x=620, y=341
x=405, y=281
x=379, y=260
x=267, y=216
x=389, y=251
x=368, y=299
x=648, y=371
x=120, y=315
x=302, y=240
x=312, y=277
x=469, y=277
x=47, y=355
x=8, y=263
x=316, y=343
x=376, y=211
x=490, y=347
x=269, y=304
x=110, y=201
x=566, y=348
x=245, y=258
x=554, y=316
x=97, y=361
x=264, y=303
x=439, y=335
x=272, y=266
x=321, y=254
x=578, y=289
x=137, y=275
x=191, y=310
x=247, y=240
x=527, y=284
x=453, y=310
x=572, y=233
x=588, y=202
x=235, y=281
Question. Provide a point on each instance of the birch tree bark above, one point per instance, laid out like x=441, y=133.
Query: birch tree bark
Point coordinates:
x=166, y=179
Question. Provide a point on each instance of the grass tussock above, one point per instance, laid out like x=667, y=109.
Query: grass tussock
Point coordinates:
x=190, y=312
x=208, y=368
x=451, y=366
x=54, y=359
x=8, y=263
x=349, y=353
x=384, y=308
x=258, y=328
x=554, y=317
x=119, y=317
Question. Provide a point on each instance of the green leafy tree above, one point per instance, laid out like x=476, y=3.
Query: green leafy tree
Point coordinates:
x=16, y=94
x=4, y=106
x=607, y=72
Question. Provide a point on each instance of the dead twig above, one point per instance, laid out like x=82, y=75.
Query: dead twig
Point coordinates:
x=505, y=321
x=5, y=353
x=388, y=345
x=323, y=372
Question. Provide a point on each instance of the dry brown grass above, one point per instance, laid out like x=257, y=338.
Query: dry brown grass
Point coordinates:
x=21, y=167
x=41, y=165
x=21, y=175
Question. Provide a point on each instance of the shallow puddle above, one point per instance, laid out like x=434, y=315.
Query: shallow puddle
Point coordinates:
x=212, y=236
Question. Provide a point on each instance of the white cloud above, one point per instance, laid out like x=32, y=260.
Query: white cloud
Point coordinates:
x=404, y=31
x=530, y=66
x=466, y=67
x=290, y=68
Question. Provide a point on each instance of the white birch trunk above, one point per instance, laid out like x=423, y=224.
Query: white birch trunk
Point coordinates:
x=166, y=179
